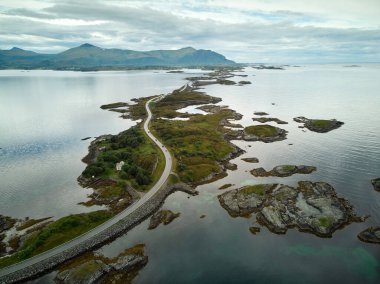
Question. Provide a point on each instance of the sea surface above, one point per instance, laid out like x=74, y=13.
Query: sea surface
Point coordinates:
x=44, y=115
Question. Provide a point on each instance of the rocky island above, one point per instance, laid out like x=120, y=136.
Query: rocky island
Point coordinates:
x=319, y=125
x=312, y=207
x=283, y=171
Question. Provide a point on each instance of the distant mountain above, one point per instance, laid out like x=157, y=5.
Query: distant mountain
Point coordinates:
x=88, y=56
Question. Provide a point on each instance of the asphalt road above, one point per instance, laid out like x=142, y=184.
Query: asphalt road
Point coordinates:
x=113, y=220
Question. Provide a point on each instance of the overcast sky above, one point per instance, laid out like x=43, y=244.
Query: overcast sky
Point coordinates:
x=276, y=31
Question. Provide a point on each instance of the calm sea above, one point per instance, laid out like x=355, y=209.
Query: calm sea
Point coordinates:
x=44, y=115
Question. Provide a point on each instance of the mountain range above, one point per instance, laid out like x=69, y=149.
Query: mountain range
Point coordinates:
x=87, y=56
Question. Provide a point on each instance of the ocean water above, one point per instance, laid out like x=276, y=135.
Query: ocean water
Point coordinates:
x=43, y=117
x=217, y=248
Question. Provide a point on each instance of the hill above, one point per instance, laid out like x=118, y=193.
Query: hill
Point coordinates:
x=88, y=56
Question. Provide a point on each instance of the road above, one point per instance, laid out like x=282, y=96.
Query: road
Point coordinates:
x=78, y=240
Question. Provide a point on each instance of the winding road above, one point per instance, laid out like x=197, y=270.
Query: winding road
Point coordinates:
x=92, y=233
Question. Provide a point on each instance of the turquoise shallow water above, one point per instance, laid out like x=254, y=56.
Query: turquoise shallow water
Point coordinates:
x=218, y=248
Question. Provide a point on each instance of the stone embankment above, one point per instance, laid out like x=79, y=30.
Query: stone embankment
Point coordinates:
x=124, y=225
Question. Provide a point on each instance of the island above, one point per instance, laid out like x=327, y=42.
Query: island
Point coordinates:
x=283, y=171
x=319, y=125
x=312, y=207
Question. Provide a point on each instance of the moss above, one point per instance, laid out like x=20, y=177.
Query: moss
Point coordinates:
x=289, y=168
x=326, y=221
x=258, y=189
x=262, y=130
x=321, y=123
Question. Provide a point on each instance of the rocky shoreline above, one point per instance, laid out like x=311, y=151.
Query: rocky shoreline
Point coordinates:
x=124, y=225
x=312, y=207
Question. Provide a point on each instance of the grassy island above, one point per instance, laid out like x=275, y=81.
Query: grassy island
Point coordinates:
x=197, y=144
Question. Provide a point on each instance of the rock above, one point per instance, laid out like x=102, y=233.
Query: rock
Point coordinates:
x=245, y=200
x=254, y=230
x=86, y=273
x=251, y=160
x=312, y=207
x=283, y=171
x=6, y=223
x=202, y=216
x=370, y=235
x=260, y=113
x=230, y=166
x=86, y=138
x=319, y=125
x=226, y=186
x=129, y=262
x=241, y=83
x=95, y=268
x=162, y=217
x=376, y=184
x=269, y=119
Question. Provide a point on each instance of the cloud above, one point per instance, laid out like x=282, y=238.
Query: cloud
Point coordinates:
x=249, y=31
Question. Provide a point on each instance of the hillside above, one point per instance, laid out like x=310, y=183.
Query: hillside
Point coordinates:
x=88, y=56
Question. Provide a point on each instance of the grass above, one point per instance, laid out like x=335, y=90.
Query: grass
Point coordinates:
x=320, y=123
x=326, y=221
x=197, y=144
x=261, y=130
x=57, y=233
x=288, y=168
x=258, y=189
x=30, y=223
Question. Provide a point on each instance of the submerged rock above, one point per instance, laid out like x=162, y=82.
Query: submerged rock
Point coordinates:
x=283, y=171
x=376, y=184
x=250, y=160
x=312, y=207
x=319, y=125
x=370, y=235
x=260, y=113
x=162, y=217
x=254, y=230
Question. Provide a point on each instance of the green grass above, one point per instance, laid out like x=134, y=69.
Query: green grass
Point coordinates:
x=57, y=233
x=258, y=189
x=326, y=221
x=288, y=168
x=261, y=130
x=320, y=123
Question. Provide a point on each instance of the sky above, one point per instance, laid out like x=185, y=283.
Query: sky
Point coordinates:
x=268, y=31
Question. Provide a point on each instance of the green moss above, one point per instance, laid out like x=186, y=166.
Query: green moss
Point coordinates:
x=321, y=123
x=326, y=221
x=261, y=130
x=289, y=168
x=258, y=189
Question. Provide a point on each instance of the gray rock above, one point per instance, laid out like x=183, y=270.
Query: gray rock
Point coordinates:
x=251, y=160
x=86, y=273
x=129, y=262
x=376, y=184
x=370, y=235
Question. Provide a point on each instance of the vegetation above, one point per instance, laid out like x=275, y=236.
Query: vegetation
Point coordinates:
x=197, y=144
x=57, y=233
x=258, y=189
x=261, y=130
x=321, y=123
x=31, y=222
x=138, y=153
